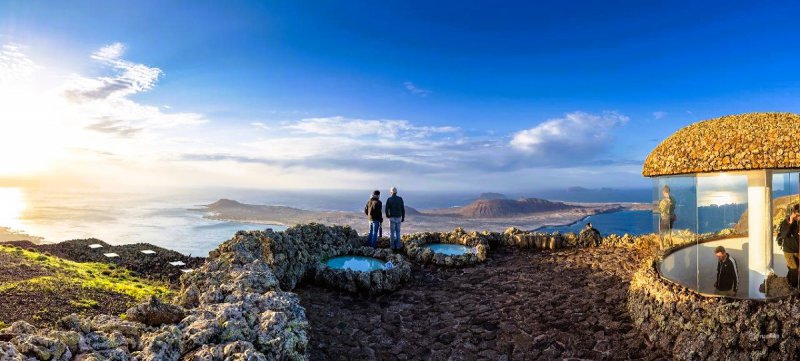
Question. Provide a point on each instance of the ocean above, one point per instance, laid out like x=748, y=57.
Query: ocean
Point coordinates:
x=176, y=220
x=630, y=222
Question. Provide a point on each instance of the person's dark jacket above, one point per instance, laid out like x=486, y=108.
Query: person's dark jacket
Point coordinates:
x=590, y=236
x=373, y=209
x=727, y=275
x=395, y=207
x=788, y=237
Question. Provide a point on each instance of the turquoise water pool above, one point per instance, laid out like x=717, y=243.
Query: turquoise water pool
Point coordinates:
x=355, y=263
x=449, y=249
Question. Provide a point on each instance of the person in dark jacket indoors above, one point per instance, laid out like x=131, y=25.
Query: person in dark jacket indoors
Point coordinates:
x=789, y=241
x=396, y=212
x=727, y=273
x=373, y=210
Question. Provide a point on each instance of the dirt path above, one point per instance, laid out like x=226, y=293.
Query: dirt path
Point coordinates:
x=519, y=305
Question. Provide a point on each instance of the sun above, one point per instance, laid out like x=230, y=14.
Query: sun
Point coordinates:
x=12, y=204
x=32, y=128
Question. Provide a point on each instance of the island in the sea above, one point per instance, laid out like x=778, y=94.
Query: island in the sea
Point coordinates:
x=485, y=213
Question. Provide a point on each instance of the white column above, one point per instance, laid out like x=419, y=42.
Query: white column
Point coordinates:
x=759, y=249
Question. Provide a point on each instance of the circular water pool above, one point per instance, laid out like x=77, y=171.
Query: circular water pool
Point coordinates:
x=449, y=249
x=355, y=263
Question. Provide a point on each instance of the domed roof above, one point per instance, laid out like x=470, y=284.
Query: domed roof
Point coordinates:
x=730, y=143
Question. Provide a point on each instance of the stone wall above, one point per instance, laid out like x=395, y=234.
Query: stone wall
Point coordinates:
x=236, y=306
x=413, y=245
x=373, y=282
x=291, y=253
x=233, y=307
x=695, y=327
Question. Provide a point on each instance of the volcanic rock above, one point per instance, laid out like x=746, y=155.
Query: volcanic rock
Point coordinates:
x=156, y=313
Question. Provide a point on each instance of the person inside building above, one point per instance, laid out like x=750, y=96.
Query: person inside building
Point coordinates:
x=727, y=282
x=666, y=210
x=789, y=241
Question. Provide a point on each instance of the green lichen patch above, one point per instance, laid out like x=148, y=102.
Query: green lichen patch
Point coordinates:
x=39, y=287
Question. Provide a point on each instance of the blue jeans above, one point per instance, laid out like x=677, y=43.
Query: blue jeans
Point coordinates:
x=374, y=228
x=394, y=233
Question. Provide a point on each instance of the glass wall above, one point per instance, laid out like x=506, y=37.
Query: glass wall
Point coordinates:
x=784, y=197
x=675, y=222
x=722, y=221
x=694, y=215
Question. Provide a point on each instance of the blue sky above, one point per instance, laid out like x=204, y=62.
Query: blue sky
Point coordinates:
x=443, y=95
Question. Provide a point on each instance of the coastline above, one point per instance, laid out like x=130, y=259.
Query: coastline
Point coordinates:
x=232, y=211
x=581, y=220
x=621, y=209
x=629, y=224
x=8, y=235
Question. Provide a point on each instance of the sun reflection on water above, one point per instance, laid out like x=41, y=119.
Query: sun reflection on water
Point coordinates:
x=12, y=204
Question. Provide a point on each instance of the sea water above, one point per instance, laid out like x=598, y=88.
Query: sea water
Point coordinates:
x=170, y=221
x=355, y=263
x=622, y=222
x=449, y=249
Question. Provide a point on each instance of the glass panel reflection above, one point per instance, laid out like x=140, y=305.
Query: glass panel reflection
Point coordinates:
x=723, y=232
x=784, y=199
x=722, y=250
x=675, y=221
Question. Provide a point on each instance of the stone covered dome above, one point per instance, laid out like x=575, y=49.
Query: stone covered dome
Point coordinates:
x=730, y=143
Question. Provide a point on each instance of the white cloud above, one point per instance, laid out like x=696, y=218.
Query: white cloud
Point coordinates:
x=109, y=53
x=40, y=120
x=14, y=65
x=659, y=115
x=577, y=133
x=260, y=125
x=98, y=133
x=341, y=126
x=104, y=99
x=129, y=78
x=413, y=89
x=391, y=146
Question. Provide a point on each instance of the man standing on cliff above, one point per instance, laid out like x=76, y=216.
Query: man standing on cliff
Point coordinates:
x=373, y=212
x=396, y=212
x=789, y=241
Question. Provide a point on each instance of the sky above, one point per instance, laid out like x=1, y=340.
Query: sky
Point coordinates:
x=346, y=95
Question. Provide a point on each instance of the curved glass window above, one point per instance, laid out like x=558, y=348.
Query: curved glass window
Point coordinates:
x=720, y=233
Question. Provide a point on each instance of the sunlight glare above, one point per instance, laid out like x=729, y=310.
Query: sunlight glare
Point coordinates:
x=12, y=204
x=721, y=198
x=32, y=126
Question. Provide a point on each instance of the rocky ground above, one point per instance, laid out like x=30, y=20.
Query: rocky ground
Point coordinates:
x=519, y=305
x=154, y=266
x=39, y=288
